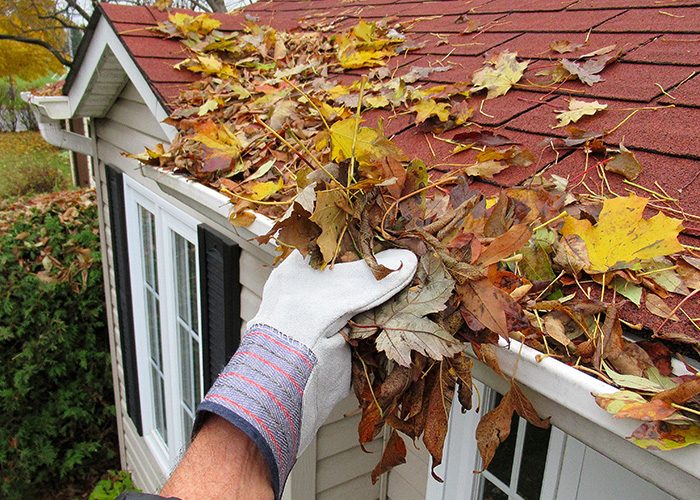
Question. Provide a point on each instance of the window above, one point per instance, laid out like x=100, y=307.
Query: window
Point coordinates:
x=164, y=272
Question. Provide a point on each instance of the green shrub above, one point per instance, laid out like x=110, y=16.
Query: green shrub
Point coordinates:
x=112, y=485
x=58, y=432
x=29, y=165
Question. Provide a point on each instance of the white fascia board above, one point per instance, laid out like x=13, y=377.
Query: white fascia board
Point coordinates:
x=103, y=37
x=566, y=394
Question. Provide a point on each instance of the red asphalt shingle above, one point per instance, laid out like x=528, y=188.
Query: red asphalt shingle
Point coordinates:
x=660, y=40
x=686, y=94
x=668, y=49
x=536, y=45
x=666, y=20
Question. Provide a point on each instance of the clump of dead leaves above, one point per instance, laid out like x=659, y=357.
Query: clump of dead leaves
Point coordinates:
x=272, y=125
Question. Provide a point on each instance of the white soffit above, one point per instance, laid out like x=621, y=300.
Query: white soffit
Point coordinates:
x=106, y=67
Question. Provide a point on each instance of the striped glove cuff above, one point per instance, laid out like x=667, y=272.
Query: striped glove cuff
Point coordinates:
x=260, y=391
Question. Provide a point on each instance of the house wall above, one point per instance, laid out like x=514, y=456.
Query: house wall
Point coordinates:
x=334, y=467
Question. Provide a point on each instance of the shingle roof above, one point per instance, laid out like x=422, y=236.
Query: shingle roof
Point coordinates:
x=659, y=66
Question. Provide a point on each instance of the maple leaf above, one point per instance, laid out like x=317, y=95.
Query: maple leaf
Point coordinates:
x=428, y=107
x=331, y=218
x=403, y=320
x=577, y=110
x=588, y=71
x=263, y=190
x=461, y=112
x=664, y=436
x=564, y=46
x=437, y=413
x=369, y=143
x=621, y=237
x=629, y=404
x=486, y=169
x=366, y=45
x=186, y=24
x=499, y=74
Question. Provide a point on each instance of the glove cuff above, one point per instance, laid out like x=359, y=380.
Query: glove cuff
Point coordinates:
x=260, y=391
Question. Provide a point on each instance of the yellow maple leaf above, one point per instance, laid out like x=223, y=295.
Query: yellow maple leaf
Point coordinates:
x=621, y=237
x=577, y=110
x=331, y=218
x=499, y=74
x=262, y=190
x=202, y=24
x=369, y=143
x=428, y=107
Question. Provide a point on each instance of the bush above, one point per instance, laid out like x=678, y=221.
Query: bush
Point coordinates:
x=112, y=485
x=58, y=433
x=29, y=165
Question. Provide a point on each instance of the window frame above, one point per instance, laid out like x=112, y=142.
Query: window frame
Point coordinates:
x=168, y=220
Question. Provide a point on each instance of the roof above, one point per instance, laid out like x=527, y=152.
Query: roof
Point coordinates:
x=660, y=66
x=652, y=90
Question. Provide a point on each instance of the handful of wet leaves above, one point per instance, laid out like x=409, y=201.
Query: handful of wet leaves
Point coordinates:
x=272, y=124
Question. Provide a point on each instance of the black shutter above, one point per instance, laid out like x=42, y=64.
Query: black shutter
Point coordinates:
x=220, y=300
x=120, y=253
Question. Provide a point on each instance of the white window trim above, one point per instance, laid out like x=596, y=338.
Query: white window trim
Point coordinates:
x=167, y=217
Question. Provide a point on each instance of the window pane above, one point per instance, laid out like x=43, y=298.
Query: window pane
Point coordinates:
x=187, y=303
x=159, y=403
x=492, y=492
x=192, y=267
x=187, y=425
x=186, y=375
x=148, y=241
x=182, y=277
x=533, y=462
x=197, y=376
x=153, y=322
x=502, y=463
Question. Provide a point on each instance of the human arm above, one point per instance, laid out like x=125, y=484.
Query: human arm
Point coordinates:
x=291, y=368
x=222, y=462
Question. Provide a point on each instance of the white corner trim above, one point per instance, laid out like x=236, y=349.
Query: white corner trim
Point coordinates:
x=104, y=37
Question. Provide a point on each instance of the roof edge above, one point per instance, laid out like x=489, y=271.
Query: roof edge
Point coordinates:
x=82, y=48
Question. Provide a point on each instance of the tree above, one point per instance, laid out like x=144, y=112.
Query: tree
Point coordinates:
x=37, y=30
x=32, y=44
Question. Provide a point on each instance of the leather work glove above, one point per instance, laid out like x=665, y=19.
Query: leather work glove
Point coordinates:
x=292, y=367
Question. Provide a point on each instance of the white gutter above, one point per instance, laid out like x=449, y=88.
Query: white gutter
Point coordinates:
x=556, y=390
x=50, y=113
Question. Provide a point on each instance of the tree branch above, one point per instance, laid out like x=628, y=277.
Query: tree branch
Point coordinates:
x=83, y=13
x=41, y=43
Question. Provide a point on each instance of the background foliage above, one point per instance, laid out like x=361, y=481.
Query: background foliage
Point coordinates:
x=30, y=165
x=55, y=386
